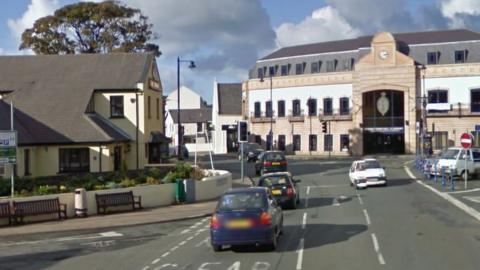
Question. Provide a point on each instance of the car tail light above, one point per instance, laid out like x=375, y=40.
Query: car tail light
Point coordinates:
x=266, y=163
x=215, y=222
x=283, y=163
x=265, y=219
x=290, y=191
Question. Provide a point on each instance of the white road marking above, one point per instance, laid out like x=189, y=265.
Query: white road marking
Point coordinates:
x=203, y=242
x=207, y=263
x=174, y=248
x=64, y=239
x=467, y=209
x=156, y=261
x=367, y=217
x=182, y=243
x=329, y=186
x=185, y=231
x=146, y=267
x=189, y=238
x=308, y=190
x=300, y=255
x=335, y=202
x=263, y=265
x=475, y=199
x=304, y=221
x=166, y=265
x=360, y=200
x=165, y=254
x=377, y=249
x=464, y=191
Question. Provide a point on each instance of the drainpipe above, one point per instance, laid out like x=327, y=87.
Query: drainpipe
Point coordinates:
x=136, y=133
x=100, y=158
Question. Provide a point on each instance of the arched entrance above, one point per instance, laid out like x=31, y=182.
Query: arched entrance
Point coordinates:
x=383, y=122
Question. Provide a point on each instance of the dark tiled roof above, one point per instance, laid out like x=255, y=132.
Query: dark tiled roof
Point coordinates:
x=55, y=90
x=364, y=41
x=230, y=98
x=111, y=130
x=192, y=115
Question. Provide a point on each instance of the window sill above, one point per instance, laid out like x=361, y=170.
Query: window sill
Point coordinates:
x=117, y=117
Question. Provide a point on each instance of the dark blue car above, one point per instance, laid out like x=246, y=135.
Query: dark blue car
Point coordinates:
x=246, y=216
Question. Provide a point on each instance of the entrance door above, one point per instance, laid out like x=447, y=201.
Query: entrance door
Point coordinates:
x=117, y=158
x=383, y=122
x=232, y=145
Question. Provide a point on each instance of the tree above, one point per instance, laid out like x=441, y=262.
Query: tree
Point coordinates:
x=88, y=27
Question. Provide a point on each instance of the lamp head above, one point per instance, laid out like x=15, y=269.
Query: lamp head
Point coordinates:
x=192, y=65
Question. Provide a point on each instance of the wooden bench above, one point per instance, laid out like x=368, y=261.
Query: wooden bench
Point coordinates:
x=5, y=211
x=38, y=207
x=117, y=199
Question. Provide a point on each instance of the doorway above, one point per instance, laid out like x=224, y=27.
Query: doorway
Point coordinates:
x=117, y=158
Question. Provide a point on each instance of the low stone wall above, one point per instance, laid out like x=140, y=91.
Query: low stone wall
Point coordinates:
x=213, y=187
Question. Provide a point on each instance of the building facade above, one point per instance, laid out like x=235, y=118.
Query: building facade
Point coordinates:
x=226, y=112
x=366, y=95
x=83, y=113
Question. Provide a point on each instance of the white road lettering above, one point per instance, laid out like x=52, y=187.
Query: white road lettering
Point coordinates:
x=206, y=264
x=234, y=266
x=261, y=266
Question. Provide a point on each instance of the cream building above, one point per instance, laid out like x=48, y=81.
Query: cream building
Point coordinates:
x=364, y=95
x=83, y=113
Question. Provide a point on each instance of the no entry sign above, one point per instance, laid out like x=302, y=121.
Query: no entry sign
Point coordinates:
x=466, y=140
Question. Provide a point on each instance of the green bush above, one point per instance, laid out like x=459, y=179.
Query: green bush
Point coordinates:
x=4, y=187
x=111, y=185
x=46, y=190
x=155, y=173
x=152, y=181
x=127, y=182
x=181, y=171
x=141, y=179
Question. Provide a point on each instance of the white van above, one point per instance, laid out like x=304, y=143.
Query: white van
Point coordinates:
x=454, y=159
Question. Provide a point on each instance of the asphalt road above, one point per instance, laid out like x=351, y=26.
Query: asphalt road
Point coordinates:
x=401, y=226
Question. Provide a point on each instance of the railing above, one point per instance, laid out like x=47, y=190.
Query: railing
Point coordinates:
x=456, y=110
x=262, y=117
x=335, y=115
x=296, y=117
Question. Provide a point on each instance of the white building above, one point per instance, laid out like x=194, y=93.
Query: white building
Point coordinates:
x=195, y=119
x=226, y=112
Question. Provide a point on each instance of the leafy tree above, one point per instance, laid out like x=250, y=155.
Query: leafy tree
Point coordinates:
x=88, y=27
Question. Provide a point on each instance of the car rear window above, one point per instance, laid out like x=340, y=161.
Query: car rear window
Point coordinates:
x=371, y=164
x=274, y=156
x=268, y=181
x=242, y=201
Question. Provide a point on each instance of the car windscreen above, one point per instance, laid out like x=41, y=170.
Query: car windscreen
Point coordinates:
x=277, y=180
x=242, y=201
x=274, y=157
x=450, y=154
x=371, y=164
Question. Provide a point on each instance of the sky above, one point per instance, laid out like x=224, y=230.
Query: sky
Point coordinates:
x=226, y=37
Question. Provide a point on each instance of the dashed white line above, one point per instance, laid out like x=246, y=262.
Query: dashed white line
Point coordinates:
x=377, y=249
x=300, y=255
x=185, y=231
x=467, y=209
x=304, y=221
x=174, y=248
x=308, y=190
x=182, y=243
x=360, y=200
x=189, y=238
x=165, y=254
x=367, y=217
x=156, y=261
x=146, y=267
x=464, y=191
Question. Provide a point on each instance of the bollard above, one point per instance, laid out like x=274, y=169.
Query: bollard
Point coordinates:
x=435, y=177
x=443, y=176
x=452, y=184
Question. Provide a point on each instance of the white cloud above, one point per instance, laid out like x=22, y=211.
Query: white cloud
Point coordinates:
x=35, y=10
x=461, y=12
x=324, y=24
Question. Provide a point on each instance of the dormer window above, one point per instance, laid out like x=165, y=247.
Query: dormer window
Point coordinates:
x=331, y=65
x=284, y=70
x=300, y=68
x=316, y=66
x=432, y=58
x=116, y=106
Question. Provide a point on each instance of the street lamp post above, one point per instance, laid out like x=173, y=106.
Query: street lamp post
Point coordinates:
x=179, y=135
x=423, y=100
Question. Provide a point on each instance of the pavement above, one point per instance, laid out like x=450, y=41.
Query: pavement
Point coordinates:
x=404, y=225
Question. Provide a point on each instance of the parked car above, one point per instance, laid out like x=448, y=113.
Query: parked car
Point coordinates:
x=250, y=151
x=367, y=172
x=270, y=161
x=454, y=160
x=283, y=188
x=246, y=216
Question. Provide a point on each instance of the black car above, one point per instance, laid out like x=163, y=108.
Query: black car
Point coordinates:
x=283, y=188
x=250, y=151
x=270, y=161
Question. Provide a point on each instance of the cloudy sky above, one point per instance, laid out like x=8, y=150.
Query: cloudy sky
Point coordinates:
x=225, y=37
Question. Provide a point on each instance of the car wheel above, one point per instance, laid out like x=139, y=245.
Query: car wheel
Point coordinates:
x=273, y=245
x=217, y=248
x=462, y=175
x=293, y=204
x=257, y=172
x=351, y=184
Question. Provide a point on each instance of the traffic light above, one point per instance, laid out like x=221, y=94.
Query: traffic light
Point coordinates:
x=242, y=131
x=324, y=127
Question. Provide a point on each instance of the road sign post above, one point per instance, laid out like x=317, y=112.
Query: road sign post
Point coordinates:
x=242, y=138
x=466, y=140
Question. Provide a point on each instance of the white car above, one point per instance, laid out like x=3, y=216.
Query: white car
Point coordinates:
x=367, y=172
